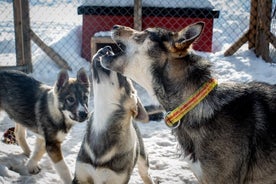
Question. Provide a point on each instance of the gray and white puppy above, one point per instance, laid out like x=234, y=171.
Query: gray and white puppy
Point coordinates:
x=48, y=111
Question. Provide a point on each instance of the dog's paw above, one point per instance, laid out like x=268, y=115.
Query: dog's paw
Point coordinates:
x=105, y=51
x=27, y=153
x=33, y=168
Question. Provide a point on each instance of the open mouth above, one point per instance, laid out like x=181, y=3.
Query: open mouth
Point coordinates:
x=120, y=46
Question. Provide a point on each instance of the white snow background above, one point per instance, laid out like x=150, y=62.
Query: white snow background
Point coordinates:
x=166, y=164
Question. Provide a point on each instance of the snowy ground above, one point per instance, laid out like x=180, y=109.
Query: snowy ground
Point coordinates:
x=165, y=162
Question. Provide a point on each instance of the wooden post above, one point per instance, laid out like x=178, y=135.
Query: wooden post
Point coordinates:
x=18, y=29
x=264, y=21
x=258, y=35
x=26, y=36
x=22, y=34
x=138, y=15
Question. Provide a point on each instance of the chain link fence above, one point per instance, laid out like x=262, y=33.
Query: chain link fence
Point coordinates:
x=67, y=26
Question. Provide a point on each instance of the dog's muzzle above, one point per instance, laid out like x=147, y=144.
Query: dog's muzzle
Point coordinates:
x=79, y=116
x=82, y=116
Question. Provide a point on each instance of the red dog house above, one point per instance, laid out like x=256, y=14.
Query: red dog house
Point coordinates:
x=102, y=18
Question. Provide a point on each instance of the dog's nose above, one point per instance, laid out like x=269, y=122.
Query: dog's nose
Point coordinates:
x=108, y=48
x=83, y=115
x=115, y=27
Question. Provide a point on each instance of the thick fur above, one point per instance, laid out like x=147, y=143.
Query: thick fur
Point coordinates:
x=229, y=137
x=112, y=144
x=47, y=111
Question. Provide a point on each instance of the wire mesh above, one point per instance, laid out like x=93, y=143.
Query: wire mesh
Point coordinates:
x=68, y=25
x=7, y=44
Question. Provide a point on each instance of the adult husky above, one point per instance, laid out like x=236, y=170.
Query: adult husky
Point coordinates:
x=112, y=144
x=47, y=111
x=228, y=131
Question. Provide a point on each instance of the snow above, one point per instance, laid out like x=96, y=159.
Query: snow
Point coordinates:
x=166, y=164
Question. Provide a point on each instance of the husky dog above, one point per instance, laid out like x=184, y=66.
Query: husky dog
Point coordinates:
x=230, y=135
x=49, y=112
x=112, y=144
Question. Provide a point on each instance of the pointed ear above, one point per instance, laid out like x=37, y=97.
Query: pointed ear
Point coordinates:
x=62, y=79
x=141, y=113
x=82, y=77
x=188, y=35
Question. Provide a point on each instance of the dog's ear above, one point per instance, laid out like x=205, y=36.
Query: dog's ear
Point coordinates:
x=82, y=77
x=141, y=113
x=186, y=37
x=62, y=79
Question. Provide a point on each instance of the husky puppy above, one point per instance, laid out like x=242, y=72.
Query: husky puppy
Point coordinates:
x=112, y=144
x=230, y=135
x=49, y=112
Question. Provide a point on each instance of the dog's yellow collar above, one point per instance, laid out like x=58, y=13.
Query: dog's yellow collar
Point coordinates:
x=172, y=119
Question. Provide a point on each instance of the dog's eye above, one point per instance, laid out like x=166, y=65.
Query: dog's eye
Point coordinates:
x=85, y=98
x=136, y=38
x=140, y=38
x=70, y=100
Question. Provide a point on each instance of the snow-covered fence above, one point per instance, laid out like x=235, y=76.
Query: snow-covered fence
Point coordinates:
x=259, y=35
x=66, y=26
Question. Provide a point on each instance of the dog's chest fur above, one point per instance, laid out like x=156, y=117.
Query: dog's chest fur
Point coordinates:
x=114, y=144
x=99, y=175
x=110, y=154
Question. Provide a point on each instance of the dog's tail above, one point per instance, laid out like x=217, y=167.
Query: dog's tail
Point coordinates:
x=155, y=112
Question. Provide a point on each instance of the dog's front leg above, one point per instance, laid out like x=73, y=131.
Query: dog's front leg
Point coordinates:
x=54, y=152
x=20, y=136
x=37, y=154
x=143, y=167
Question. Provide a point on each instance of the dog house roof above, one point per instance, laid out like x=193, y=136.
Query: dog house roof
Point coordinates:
x=152, y=3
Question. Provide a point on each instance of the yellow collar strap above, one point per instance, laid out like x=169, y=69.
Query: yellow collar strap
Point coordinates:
x=172, y=118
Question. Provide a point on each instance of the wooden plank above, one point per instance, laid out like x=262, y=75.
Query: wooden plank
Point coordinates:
x=50, y=52
x=272, y=39
x=138, y=15
x=230, y=51
x=18, y=30
x=99, y=40
x=252, y=24
x=258, y=33
x=22, y=68
x=26, y=35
